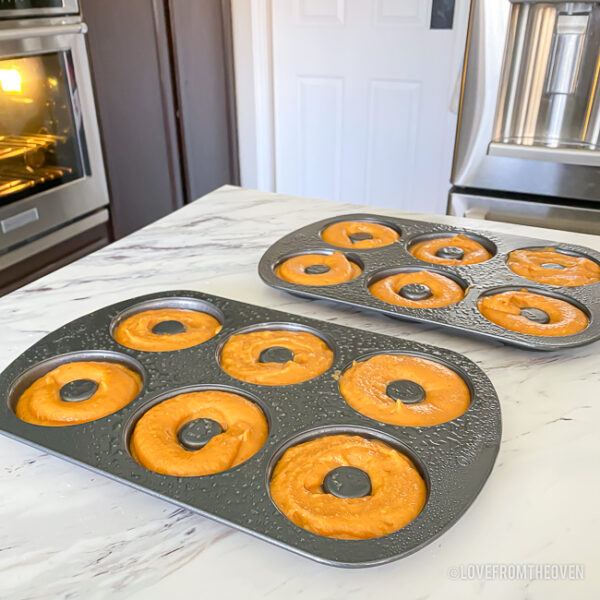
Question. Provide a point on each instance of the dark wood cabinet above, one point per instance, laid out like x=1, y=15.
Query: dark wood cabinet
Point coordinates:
x=163, y=80
x=54, y=257
x=204, y=83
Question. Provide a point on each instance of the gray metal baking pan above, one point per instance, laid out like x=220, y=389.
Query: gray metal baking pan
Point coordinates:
x=477, y=280
x=455, y=458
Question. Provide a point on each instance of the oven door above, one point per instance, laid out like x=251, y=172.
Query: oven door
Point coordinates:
x=10, y=9
x=51, y=168
x=495, y=38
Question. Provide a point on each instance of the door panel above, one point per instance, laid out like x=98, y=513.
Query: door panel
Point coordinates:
x=399, y=12
x=320, y=136
x=362, y=96
x=319, y=12
x=392, y=133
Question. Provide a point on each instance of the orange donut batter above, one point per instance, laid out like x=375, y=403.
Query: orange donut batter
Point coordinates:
x=444, y=291
x=339, y=234
x=474, y=252
x=155, y=445
x=240, y=357
x=577, y=270
x=364, y=387
x=504, y=309
x=336, y=269
x=136, y=331
x=398, y=492
x=41, y=403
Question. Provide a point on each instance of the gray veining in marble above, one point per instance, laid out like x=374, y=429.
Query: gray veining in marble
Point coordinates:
x=66, y=533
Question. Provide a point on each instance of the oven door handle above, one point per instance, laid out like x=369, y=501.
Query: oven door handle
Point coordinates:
x=36, y=32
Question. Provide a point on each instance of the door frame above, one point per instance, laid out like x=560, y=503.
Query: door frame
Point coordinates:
x=253, y=59
x=252, y=22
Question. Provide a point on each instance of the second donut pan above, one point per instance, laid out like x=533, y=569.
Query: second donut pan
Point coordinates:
x=454, y=458
x=491, y=276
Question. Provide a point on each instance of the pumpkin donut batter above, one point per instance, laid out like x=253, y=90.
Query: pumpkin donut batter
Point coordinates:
x=155, y=442
x=309, y=356
x=318, y=269
x=472, y=252
x=510, y=309
x=445, y=395
x=439, y=290
x=41, y=402
x=398, y=492
x=138, y=331
x=359, y=234
x=546, y=265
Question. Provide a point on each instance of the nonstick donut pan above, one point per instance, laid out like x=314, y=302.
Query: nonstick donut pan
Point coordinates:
x=454, y=458
x=485, y=278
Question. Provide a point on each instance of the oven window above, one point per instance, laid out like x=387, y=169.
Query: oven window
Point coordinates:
x=27, y=4
x=41, y=135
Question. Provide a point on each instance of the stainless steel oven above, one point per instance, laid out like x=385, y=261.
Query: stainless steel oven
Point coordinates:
x=529, y=119
x=52, y=179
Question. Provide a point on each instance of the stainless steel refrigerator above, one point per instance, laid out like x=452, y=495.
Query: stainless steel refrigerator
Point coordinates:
x=528, y=139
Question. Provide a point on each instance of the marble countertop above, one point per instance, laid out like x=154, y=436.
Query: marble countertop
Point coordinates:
x=68, y=533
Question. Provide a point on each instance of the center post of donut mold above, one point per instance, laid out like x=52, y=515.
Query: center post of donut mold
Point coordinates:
x=276, y=354
x=537, y=315
x=415, y=291
x=405, y=391
x=170, y=327
x=317, y=269
x=78, y=390
x=194, y=435
x=450, y=253
x=360, y=236
x=347, y=482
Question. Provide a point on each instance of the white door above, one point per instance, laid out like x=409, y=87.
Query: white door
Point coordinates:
x=364, y=100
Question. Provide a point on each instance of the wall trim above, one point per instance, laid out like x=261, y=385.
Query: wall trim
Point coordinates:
x=253, y=58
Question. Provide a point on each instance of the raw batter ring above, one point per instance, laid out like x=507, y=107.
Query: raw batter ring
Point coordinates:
x=406, y=390
x=166, y=329
x=417, y=289
x=78, y=392
x=396, y=496
x=276, y=356
x=318, y=269
x=532, y=313
x=359, y=234
x=551, y=267
x=454, y=250
x=162, y=440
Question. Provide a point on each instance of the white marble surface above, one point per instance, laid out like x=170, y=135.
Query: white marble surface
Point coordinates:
x=67, y=533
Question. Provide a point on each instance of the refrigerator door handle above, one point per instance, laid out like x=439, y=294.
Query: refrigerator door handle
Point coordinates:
x=524, y=212
x=476, y=212
x=565, y=156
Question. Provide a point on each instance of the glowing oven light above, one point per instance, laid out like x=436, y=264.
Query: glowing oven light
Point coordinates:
x=10, y=80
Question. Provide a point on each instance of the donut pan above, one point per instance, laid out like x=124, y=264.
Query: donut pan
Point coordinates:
x=485, y=278
x=455, y=458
